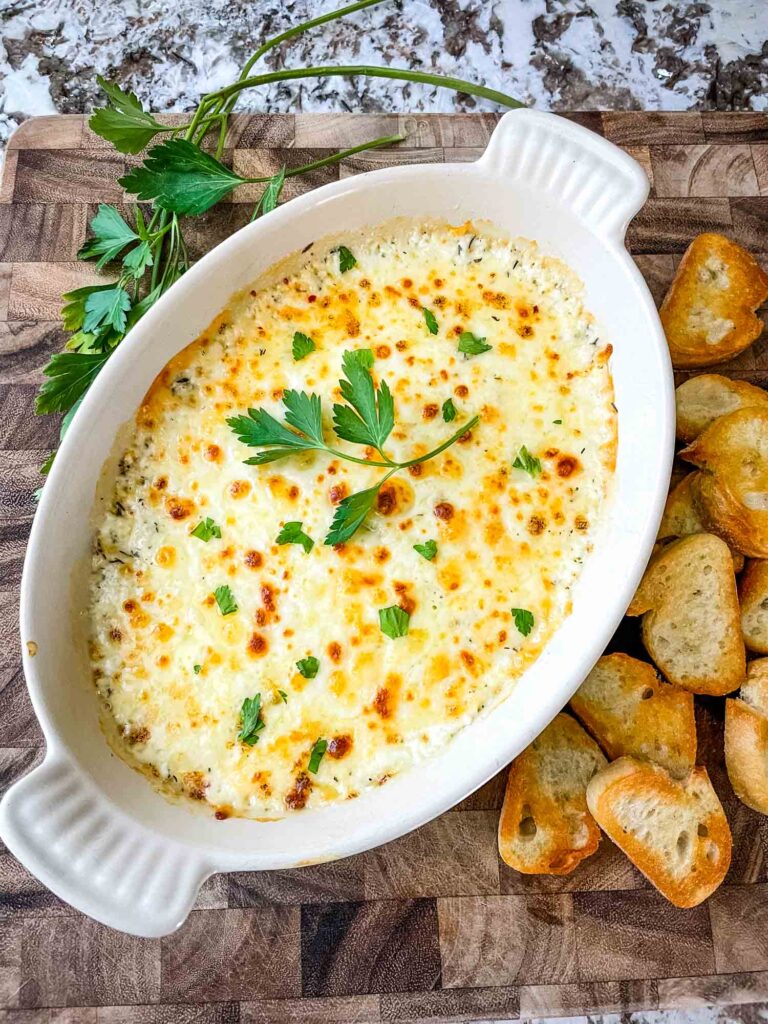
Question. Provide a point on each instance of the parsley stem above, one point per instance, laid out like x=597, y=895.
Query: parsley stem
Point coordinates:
x=353, y=70
x=334, y=158
x=441, y=448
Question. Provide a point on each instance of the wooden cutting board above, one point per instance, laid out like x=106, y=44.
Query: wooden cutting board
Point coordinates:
x=432, y=927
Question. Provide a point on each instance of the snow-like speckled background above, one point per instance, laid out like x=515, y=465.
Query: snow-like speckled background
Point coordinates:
x=554, y=54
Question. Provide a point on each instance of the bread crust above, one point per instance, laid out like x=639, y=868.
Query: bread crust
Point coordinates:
x=544, y=829
x=731, y=492
x=703, y=399
x=691, y=616
x=708, y=314
x=681, y=517
x=746, y=753
x=631, y=711
x=674, y=831
x=753, y=597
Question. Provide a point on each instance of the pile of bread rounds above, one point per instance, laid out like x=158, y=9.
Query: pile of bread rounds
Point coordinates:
x=624, y=761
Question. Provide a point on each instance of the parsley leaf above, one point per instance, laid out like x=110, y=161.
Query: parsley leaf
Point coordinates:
x=181, y=178
x=350, y=514
x=261, y=430
x=302, y=346
x=124, y=122
x=527, y=462
x=449, y=410
x=107, y=307
x=197, y=669
x=393, y=621
x=430, y=320
x=269, y=197
x=206, y=529
x=427, y=550
x=73, y=313
x=225, y=600
x=110, y=233
x=69, y=374
x=284, y=696
x=557, y=421
x=138, y=259
x=251, y=722
x=318, y=752
x=471, y=345
x=305, y=414
x=308, y=667
x=346, y=259
x=292, y=533
x=523, y=620
x=372, y=414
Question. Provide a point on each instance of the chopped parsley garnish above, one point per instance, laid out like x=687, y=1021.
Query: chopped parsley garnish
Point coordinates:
x=449, y=410
x=471, y=345
x=206, y=529
x=346, y=259
x=225, y=600
x=427, y=550
x=394, y=622
x=197, y=669
x=308, y=667
x=283, y=696
x=557, y=421
x=430, y=319
x=302, y=346
x=523, y=620
x=527, y=462
x=292, y=533
x=318, y=752
x=251, y=722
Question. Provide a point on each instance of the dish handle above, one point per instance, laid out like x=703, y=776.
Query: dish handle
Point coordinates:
x=69, y=835
x=580, y=170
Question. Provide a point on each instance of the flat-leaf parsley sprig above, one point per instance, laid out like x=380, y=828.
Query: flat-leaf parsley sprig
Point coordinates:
x=367, y=419
x=180, y=178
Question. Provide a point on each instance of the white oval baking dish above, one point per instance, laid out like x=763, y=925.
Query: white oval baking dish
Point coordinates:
x=93, y=830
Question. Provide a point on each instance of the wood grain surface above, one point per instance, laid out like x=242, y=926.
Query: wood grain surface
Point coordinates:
x=432, y=927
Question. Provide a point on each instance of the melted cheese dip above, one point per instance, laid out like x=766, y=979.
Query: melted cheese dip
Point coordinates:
x=173, y=671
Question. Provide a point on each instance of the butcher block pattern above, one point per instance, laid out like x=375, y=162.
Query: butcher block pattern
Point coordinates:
x=432, y=927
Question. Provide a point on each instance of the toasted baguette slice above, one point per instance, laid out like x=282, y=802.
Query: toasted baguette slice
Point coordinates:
x=629, y=710
x=731, y=494
x=709, y=311
x=691, y=616
x=673, y=830
x=753, y=595
x=545, y=827
x=703, y=399
x=746, y=738
x=681, y=517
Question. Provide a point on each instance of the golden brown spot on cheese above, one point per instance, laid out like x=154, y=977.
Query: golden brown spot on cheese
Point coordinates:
x=407, y=282
x=395, y=497
x=297, y=797
x=339, y=746
x=257, y=645
x=536, y=524
x=222, y=813
x=179, y=508
x=383, y=351
x=163, y=632
x=115, y=634
x=253, y=559
x=496, y=299
x=166, y=556
x=381, y=554
x=525, y=331
x=239, y=489
x=430, y=411
x=405, y=599
x=195, y=784
x=334, y=651
x=416, y=470
x=137, y=734
x=381, y=702
x=461, y=391
x=567, y=465
x=268, y=597
x=444, y=511
x=581, y=522
x=212, y=453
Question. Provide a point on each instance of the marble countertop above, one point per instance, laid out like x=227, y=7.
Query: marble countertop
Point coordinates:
x=554, y=54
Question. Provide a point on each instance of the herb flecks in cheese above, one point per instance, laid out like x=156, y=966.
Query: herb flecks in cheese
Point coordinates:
x=456, y=547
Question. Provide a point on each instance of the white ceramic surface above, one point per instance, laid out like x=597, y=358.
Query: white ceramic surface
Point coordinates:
x=93, y=830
